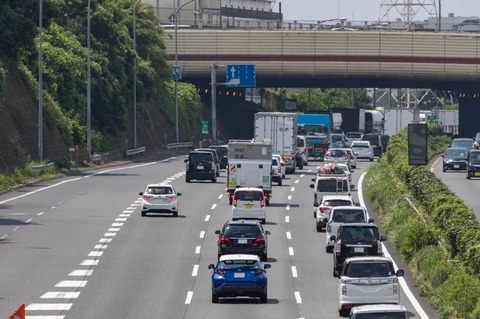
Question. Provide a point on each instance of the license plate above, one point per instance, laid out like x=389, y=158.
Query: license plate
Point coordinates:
x=243, y=241
x=248, y=206
x=358, y=249
x=477, y=173
x=456, y=166
x=200, y=167
x=239, y=275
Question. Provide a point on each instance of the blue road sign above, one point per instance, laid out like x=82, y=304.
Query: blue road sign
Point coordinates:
x=240, y=75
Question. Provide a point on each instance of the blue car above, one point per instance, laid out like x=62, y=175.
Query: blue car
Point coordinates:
x=239, y=275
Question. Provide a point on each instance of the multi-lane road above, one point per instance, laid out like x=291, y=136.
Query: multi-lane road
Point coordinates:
x=77, y=247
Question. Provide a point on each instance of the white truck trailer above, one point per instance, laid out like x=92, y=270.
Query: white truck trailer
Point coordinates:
x=249, y=165
x=398, y=118
x=281, y=129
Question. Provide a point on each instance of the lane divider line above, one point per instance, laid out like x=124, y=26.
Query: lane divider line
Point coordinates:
x=188, y=300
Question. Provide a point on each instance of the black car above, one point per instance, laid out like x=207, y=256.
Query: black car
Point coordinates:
x=376, y=142
x=243, y=237
x=216, y=158
x=200, y=166
x=222, y=152
x=454, y=158
x=466, y=143
x=356, y=239
x=473, y=163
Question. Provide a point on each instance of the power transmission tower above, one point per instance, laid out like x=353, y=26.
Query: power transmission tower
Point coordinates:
x=407, y=10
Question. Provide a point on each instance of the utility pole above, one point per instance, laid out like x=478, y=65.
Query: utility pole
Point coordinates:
x=214, y=100
x=89, y=95
x=40, y=84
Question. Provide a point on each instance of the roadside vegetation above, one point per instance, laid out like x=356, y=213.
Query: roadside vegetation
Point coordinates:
x=440, y=240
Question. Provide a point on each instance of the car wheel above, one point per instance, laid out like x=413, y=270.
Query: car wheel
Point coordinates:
x=267, y=202
x=279, y=182
x=175, y=214
x=214, y=180
x=230, y=201
x=187, y=179
x=264, y=257
x=214, y=298
x=283, y=176
x=263, y=221
x=300, y=166
x=319, y=229
x=468, y=176
x=264, y=298
x=144, y=214
x=444, y=169
x=371, y=159
x=329, y=249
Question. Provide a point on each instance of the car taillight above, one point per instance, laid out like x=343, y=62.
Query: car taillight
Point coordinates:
x=279, y=168
x=234, y=202
x=262, y=202
x=172, y=197
x=324, y=208
x=224, y=240
x=260, y=240
x=217, y=284
x=219, y=272
x=262, y=285
x=259, y=272
x=146, y=197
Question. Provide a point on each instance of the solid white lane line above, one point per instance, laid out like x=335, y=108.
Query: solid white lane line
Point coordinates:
x=289, y=236
x=105, y=240
x=71, y=283
x=89, y=262
x=81, y=272
x=95, y=253
x=220, y=196
x=294, y=272
x=60, y=295
x=298, y=297
x=207, y=218
x=292, y=189
x=188, y=300
x=40, y=214
x=110, y=234
x=213, y=206
x=195, y=271
x=49, y=306
x=287, y=207
x=100, y=247
x=296, y=182
x=202, y=234
x=290, y=251
x=289, y=197
x=197, y=249
x=113, y=229
x=117, y=224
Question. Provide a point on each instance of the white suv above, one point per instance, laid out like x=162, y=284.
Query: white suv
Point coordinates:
x=367, y=280
x=379, y=311
x=322, y=212
x=249, y=203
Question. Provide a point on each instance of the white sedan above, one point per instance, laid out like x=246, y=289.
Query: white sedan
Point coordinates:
x=160, y=198
x=362, y=149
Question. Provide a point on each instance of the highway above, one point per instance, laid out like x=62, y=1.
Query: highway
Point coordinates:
x=77, y=247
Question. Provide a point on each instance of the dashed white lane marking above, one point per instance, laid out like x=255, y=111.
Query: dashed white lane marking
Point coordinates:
x=130, y=208
x=292, y=189
x=71, y=283
x=105, y=240
x=16, y=228
x=53, y=207
x=100, y=247
x=197, y=249
x=207, y=218
x=202, y=234
x=60, y=295
x=304, y=174
x=89, y=262
x=110, y=234
x=289, y=197
x=294, y=272
x=95, y=253
x=290, y=251
x=195, y=271
x=113, y=229
x=120, y=219
x=81, y=272
x=40, y=214
x=188, y=300
x=298, y=297
x=289, y=236
x=3, y=237
x=213, y=206
x=28, y=220
x=117, y=224
x=49, y=306
x=124, y=215
x=287, y=207
x=127, y=212
x=296, y=182
x=287, y=219
x=135, y=204
x=220, y=196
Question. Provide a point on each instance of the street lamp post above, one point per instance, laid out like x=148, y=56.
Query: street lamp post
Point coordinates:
x=89, y=97
x=40, y=84
x=135, y=75
x=175, y=14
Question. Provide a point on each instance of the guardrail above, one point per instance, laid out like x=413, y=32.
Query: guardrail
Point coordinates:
x=135, y=151
x=37, y=168
x=179, y=145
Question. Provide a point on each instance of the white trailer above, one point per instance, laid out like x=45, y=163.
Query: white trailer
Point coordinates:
x=398, y=118
x=448, y=120
x=281, y=129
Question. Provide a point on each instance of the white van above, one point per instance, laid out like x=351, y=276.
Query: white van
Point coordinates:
x=249, y=203
x=379, y=311
x=302, y=149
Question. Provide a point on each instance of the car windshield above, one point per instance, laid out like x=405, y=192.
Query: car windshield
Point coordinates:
x=477, y=137
x=381, y=315
x=352, y=235
x=463, y=143
x=242, y=230
x=369, y=269
x=239, y=263
x=348, y=216
x=336, y=138
x=249, y=195
x=221, y=151
x=337, y=202
x=332, y=185
x=353, y=135
x=474, y=156
x=456, y=153
x=159, y=190
x=300, y=142
x=336, y=153
x=198, y=158
x=372, y=138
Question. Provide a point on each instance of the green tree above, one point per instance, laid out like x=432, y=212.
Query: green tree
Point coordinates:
x=325, y=99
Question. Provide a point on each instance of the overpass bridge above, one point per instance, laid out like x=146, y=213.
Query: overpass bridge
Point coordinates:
x=317, y=58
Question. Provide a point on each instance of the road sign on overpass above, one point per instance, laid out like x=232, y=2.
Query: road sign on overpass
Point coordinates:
x=240, y=75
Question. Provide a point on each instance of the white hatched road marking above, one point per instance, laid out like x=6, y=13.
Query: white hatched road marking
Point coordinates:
x=130, y=208
x=110, y=234
x=124, y=215
x=60, y=295
x=105, y=240
x=40, y=214
x=220, y=196
x=207, y=218
x=95, y=253
x=289, y=197
x=287, y=207
x=120, y=219
x=189, y=298
x=202, y=234
x=49, y=306
x=289, y=235
x=89, y=262
x=287, y=219
x=195, y=270
x=298, y=297
x=213, y=206
x=117, y=224
x=197, y=249
x=101, y=247
x=292, y=189
x=16, y=228
x=296, y=182
x=294, y=272
x=127, y=212
x=290, y=251
x=71, y=283
x=114, y=229
x=81, y=272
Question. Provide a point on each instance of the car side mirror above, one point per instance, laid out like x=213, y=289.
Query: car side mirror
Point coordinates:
x=383, y=238
x=371, y=220
x=336, y=274
x=266, y=266
x=179, y=194
x=399, y=273
x=352, y=187
x=211, y=266
x=267, y=232
x=333, y=238
x=186, y=160
x=312, y=186
x=141, y=193
x=217, y=232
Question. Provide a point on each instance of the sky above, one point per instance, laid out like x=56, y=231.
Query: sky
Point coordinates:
x=366, y=10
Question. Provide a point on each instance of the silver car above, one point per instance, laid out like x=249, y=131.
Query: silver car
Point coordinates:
x=160, y=198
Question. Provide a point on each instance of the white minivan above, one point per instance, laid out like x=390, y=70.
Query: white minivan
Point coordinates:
x=249, y=203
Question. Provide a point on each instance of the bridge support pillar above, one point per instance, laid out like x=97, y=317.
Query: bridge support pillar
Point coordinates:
x=469, y=114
